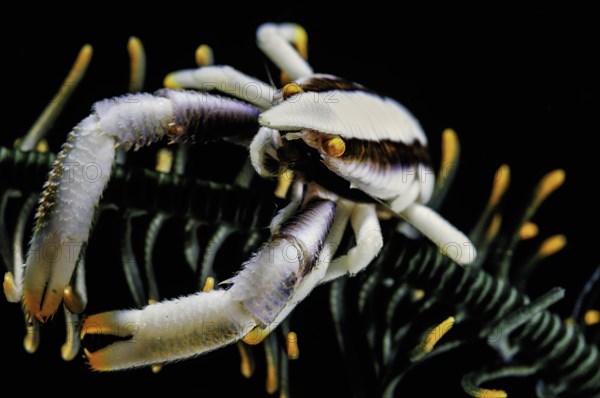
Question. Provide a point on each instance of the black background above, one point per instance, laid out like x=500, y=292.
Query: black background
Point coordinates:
x=518, y=85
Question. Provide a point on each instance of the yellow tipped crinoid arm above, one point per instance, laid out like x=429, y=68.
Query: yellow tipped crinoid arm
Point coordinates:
x=548, y=247
x=45, y=121
x=204, y=55
x=501, y=182
x=436, y=334
x=549, y=183
x=450, y=156
x=246, y=360
x=137, y=62
x=487, y=393
x=591, y=317
x=291, y=340
x=552, y=245
x=499, y=187
x=528, y=230
x=272, y=359
x=472, y=382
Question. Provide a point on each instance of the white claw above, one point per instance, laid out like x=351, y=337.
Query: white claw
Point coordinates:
x=83, y=168
x=168, y=331
x=72, y=192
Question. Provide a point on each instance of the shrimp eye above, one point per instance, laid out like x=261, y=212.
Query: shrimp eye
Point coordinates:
x=334, y=147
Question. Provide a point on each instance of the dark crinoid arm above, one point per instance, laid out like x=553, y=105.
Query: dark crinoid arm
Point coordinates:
x=386, y=321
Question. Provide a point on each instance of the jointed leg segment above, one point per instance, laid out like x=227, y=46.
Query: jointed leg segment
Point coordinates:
x=369, y=242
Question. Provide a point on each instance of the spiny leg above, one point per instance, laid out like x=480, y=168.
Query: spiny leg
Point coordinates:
x=168, y=331
x=410, y=205
x=267, y=284
x=34, y=139
x=271, y=277
x=343, y=211
x=83, y=167
x=221, y=78
x=226, y=80
x=452, y=242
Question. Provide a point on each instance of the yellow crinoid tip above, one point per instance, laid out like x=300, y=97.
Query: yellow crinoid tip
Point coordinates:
x=83, y=58
x=246, y=362
x=418, y=294
x=284, y=78
x=53, y=109
x=137, y=62
x=334, y=147
x=450, y=153
x=591, y=317
x=135, y=47
x=494, y=227
x=42, y=146
x=552, y=245
x=450, y=142
x=501, y=182
x=272, y=383
x=10, y=288
x=549, y=183
x=204, y=55
x=164, y=160
x=301, y=40
x=209, y=284
x=528, y=230
x=437, y=333
x=171, y=82
x=292, y=345
x=284, y=181
x=485, y=393
x=156, y=368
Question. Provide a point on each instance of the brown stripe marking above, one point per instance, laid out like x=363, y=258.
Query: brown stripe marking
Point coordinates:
x=386, y=153
x=328, y=83
x=307, y=164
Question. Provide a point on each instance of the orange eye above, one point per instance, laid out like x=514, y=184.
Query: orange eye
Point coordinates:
x=291, y=89
x=334, y=147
